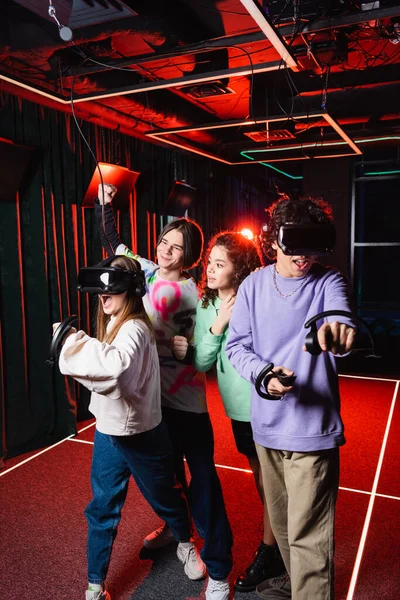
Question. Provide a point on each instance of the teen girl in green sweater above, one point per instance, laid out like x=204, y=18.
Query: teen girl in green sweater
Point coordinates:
x=230, y=258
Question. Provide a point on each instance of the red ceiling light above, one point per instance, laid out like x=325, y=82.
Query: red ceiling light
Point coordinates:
x=124, y=180
x=247, y=233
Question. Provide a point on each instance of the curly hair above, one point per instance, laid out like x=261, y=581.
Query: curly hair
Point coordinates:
x=244, y=254
x=287, y=210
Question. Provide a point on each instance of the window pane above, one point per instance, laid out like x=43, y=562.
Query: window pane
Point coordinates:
x=377, y=211
x=376, y=274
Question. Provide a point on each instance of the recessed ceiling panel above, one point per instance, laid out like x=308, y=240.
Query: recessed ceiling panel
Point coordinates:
x=294, y=137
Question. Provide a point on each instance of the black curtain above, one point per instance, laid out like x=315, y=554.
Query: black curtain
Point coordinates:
x=45, y=236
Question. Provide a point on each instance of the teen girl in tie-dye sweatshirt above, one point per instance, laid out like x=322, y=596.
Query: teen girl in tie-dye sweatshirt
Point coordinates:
x=170, y=302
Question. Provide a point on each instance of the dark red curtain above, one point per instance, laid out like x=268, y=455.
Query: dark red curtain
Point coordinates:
x=45, y=236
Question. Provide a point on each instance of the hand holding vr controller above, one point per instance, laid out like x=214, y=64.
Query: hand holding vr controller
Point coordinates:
x=335, y=337
x=276, y=381
x=56, y=326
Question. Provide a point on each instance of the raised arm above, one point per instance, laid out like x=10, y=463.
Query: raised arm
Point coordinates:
x=107, y=227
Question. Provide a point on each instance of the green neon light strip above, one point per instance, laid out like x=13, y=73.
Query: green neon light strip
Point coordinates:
x=274, y=168
x=246, y=153
x=320, y=145
x=382, y=172
x=280, y=171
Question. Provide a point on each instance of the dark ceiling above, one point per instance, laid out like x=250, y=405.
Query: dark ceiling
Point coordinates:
x=202, y=75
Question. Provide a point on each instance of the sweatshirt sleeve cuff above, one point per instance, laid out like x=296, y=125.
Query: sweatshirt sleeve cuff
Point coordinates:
x=213, y=340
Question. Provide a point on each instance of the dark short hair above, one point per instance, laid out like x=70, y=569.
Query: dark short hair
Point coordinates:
x=193, y=240
x=244, y=254
x=289, y=210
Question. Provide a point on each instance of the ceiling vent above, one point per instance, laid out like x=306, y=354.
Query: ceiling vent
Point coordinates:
x=274, y=135
x=206, y=90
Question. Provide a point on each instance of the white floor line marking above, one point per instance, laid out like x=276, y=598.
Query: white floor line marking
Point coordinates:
x=344, y=489
x=234, y=468
x=389, y=497
x=87, y=427
x=44, y=450
x=369, y=378
x=367, y=521
x=35, y=455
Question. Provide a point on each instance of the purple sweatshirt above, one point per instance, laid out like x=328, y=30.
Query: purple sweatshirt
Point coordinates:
x=266, y=327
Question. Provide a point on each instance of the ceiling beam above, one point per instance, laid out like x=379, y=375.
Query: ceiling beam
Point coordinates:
x=250, y=38
x=271, y=32
x=212, y=44
x=161, y=84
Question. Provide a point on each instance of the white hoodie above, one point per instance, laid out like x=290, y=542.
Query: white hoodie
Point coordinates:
x=124, y=377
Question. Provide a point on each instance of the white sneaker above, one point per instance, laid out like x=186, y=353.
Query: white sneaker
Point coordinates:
x=217, y=590
x=102, y=595
x=159, y=538
x=190, y=558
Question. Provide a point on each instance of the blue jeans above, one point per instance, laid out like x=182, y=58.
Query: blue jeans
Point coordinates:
x=148, y=458
x=192, y=437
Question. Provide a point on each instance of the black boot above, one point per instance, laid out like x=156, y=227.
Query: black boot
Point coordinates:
x=267, y=562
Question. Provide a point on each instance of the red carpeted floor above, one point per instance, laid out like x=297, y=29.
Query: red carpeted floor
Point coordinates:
x=43, y=531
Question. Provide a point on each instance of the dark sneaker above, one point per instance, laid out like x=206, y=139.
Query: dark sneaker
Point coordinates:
x=159, y=538
x=276, y=588
x=267, y=562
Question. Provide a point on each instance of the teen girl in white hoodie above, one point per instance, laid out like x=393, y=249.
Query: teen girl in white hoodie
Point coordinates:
x=121, y=369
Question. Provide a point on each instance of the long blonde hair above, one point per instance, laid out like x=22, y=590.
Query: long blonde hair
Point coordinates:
x=133, y=308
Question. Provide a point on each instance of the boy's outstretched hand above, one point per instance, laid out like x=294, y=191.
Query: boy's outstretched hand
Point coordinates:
x=106, y=193
x=336, y=337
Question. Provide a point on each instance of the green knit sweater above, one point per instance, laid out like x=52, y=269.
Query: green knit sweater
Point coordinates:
x=209, y=349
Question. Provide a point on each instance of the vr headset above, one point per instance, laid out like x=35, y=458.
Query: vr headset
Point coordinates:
x=104, y=279
x=301, y=236
x=305, y=239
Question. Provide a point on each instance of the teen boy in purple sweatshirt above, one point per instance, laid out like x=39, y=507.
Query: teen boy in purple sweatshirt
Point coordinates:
x=297, y=437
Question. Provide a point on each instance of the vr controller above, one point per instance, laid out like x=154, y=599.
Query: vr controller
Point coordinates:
x=313, y=347
x=311, y=342
x=265, y=375
x=59, y=337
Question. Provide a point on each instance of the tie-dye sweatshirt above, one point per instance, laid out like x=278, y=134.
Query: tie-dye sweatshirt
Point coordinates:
x=171, y=306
